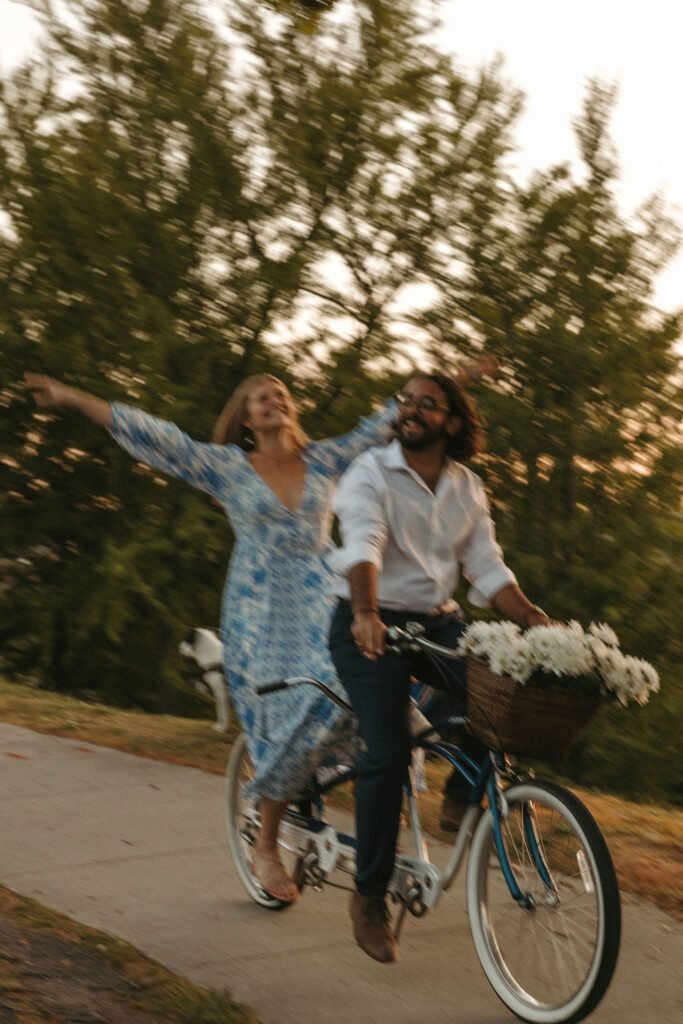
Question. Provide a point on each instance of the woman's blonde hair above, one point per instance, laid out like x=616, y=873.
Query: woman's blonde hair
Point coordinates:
x=230, y=428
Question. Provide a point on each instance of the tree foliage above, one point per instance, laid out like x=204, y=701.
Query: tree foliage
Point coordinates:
x=325, y=196
x=584, y=435
x=174, y=197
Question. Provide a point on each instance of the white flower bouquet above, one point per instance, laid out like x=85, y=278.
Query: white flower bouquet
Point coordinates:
x=562, y=650
x=531, y=692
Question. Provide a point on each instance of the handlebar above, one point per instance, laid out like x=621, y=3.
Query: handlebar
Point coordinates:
x=285, y=684
x=397, y=639
x=280, y=684
x=411, y=639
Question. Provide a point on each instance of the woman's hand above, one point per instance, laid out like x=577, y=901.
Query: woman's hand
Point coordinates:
x=50, y=393
x=47, y=391
x=485, y=366
x=368, y=630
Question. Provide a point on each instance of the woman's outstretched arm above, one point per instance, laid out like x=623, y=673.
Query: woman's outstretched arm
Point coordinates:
x=148, y=439
x=377, y=429
x=50, y=393
x=339, y=452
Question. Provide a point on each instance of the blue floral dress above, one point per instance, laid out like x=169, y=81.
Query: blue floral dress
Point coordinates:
x=277, y=601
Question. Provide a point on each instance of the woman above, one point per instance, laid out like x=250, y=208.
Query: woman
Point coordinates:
x=275, y=487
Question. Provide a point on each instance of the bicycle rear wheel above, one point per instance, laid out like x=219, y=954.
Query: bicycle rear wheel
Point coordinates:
x=242, y=822
x=553, y=962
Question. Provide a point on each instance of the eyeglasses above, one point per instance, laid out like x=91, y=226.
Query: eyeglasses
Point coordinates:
x=424, y=404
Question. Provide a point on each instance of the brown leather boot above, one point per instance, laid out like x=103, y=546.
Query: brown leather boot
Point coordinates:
x=372, y=928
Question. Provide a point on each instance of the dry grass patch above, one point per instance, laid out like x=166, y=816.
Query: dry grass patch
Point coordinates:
x=55, y=970
x=184, y=741
x=646, y=843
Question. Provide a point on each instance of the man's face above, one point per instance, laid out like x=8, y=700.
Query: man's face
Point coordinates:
x=423, y=417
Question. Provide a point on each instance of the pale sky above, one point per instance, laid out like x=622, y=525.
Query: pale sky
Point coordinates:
x=550, y=49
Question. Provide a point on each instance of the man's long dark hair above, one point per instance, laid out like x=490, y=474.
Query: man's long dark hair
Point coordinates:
x=470, y=438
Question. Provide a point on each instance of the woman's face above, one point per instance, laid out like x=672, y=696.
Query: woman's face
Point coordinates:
x=269, y=406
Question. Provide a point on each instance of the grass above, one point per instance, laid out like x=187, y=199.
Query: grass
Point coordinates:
x=182, y=741
x=85, y=975
x=645, y=840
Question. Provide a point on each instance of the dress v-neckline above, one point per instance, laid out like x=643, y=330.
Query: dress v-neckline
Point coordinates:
x=302, y=493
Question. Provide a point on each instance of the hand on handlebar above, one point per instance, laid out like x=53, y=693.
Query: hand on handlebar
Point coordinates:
x=369, y=632
x=537, y=617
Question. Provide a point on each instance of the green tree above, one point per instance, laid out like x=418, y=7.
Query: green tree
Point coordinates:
x=584, y=456
x=186, y=205
x=174, y=197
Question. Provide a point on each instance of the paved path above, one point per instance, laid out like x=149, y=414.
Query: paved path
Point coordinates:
x=136, y=848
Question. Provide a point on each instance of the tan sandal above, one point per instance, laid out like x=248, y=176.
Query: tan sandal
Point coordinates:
x=273, y=877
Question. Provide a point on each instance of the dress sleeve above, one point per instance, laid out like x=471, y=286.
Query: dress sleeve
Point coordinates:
x=164, y=446
x=339, y=452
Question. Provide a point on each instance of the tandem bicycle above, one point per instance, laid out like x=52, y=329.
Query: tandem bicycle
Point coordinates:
x=541, y=890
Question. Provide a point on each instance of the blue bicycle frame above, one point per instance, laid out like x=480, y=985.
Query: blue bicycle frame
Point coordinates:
x=483, y=779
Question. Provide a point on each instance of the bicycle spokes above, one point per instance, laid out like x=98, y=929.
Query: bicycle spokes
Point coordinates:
x=549, y=955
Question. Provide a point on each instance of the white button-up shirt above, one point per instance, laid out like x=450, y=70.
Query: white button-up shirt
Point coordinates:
x=418, y=539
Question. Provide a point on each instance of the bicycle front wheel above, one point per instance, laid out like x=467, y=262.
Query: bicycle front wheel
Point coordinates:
x=243, y=822
x=550, y=962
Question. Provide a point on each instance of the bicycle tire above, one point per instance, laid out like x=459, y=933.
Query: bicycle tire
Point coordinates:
x=551, y=964
x=241, y=822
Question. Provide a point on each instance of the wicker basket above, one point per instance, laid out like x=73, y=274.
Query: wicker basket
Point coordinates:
x=532, y=719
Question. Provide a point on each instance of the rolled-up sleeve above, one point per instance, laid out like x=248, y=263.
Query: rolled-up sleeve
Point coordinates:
x=481, y=556
x=164, y=446
x=359, y=506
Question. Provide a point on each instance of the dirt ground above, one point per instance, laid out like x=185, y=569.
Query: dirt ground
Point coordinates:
x=54, y=971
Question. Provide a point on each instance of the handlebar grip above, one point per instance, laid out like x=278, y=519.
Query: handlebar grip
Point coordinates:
x=280, y=684
x=401, y=640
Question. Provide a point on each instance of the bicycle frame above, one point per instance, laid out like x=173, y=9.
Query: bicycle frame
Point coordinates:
x=484, y=779
x=529, y=844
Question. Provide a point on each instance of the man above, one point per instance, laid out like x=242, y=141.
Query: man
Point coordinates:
x=411, y=515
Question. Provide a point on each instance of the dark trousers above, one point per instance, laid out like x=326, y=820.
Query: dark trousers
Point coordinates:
x=379, y=692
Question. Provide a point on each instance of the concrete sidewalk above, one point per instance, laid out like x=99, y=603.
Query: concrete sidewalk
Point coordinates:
x=137, y=848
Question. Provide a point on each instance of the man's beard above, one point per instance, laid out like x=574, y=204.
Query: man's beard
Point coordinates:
x=417, y=442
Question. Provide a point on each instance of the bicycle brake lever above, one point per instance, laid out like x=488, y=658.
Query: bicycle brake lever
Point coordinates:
x=398, y=639
x=415, y=629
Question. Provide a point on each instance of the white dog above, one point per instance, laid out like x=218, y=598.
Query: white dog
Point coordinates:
x=205, y=647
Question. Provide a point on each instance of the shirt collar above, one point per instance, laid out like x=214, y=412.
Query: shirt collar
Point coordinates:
x=395, y=459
